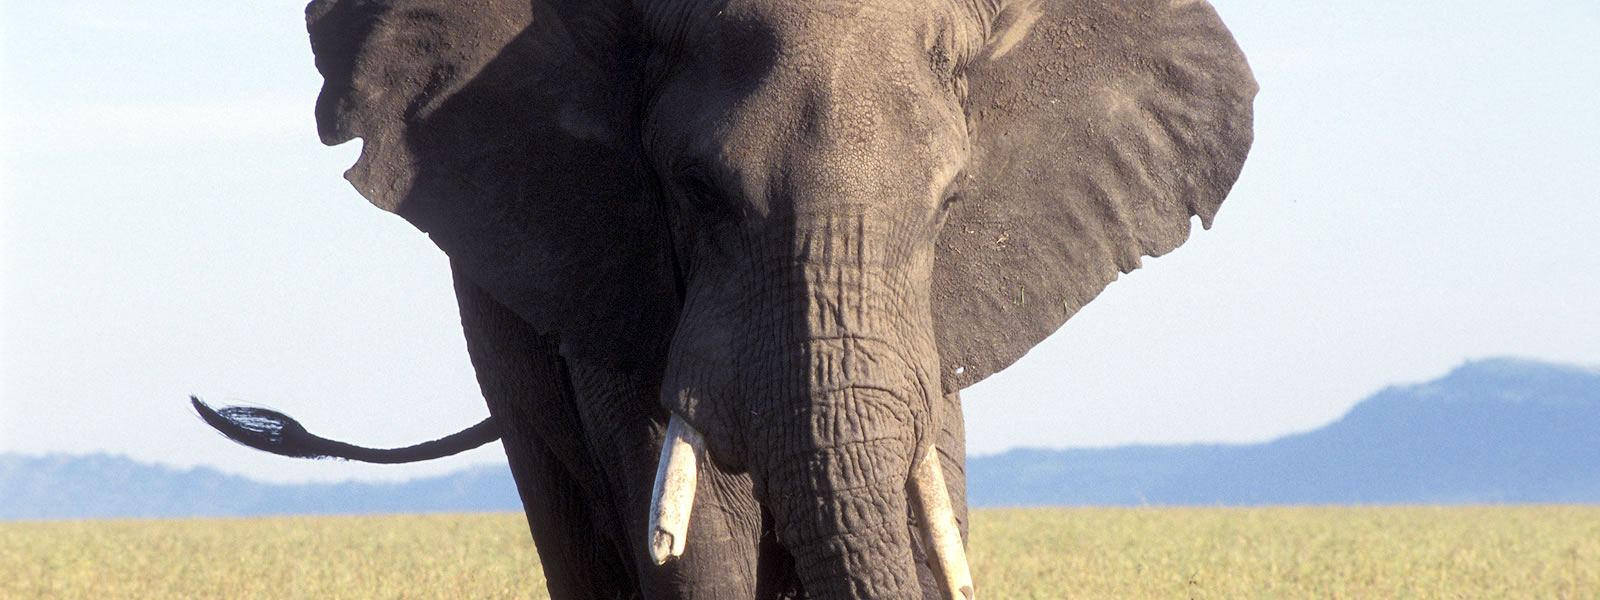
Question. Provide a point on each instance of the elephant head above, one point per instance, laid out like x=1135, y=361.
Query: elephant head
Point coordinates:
x=808, y=221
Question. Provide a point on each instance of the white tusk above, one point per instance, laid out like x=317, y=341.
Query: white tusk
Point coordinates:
x=673, y=497
x=939, y=526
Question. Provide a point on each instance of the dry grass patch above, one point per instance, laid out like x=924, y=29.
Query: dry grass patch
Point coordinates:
x=1167, y=553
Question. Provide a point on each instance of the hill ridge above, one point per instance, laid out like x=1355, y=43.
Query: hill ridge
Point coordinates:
x=1493, y=430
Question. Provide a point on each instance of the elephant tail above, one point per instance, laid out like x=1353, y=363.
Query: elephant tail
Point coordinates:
x=275, y=432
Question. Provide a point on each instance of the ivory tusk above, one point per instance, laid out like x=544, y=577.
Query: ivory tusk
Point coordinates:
x=673, y=497
x=939, y=526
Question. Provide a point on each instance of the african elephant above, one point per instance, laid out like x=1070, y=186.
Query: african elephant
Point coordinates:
x=723, y=266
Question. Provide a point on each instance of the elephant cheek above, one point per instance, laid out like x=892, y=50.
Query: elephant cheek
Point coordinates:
x=707, y=405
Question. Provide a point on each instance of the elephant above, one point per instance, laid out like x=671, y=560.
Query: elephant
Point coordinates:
x=724, y=266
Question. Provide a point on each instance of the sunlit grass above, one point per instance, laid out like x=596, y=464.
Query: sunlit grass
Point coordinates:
x=1290, y=552
x=406, y=556
x=1381, y=552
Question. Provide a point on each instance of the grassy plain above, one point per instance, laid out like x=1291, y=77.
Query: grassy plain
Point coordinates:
x=1167, y=553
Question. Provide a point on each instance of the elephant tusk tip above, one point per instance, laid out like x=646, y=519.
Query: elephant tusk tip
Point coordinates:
x=664, y=546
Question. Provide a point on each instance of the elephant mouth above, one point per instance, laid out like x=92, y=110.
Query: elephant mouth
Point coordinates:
x=677, y=477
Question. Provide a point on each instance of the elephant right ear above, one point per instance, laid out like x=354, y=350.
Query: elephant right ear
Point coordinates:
x=502, y=128
x=1099, y=129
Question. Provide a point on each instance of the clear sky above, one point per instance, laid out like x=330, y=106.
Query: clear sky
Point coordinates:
x=1424, y=190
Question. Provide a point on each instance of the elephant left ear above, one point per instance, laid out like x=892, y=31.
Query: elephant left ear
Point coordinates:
x=1098, y=129
x=502, y=128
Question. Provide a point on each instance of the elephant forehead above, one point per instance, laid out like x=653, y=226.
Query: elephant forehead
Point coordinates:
x=792, y=100
x=876, y=32
x=880, y=32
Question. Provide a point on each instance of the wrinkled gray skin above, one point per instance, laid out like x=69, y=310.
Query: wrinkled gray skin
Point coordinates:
x=802, y=226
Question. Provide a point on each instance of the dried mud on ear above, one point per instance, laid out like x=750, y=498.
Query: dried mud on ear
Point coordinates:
x=1013, y=23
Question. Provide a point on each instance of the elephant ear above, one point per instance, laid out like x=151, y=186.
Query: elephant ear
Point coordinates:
x=1099, y=128
x=501, y=128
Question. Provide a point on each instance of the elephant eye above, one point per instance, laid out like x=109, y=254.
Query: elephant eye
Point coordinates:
x=952, y=193
x=950, y=200
x=702, y=194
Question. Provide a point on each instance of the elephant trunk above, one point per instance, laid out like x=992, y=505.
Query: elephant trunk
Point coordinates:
x=836, y=486
x=816, y=372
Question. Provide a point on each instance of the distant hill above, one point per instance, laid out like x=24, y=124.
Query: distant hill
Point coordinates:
x=1492, y=431
x=101, y=486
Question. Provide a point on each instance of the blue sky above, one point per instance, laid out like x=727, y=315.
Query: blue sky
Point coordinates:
x=1424, y=190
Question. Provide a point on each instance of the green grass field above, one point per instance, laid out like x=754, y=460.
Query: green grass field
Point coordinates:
x=1168, y=553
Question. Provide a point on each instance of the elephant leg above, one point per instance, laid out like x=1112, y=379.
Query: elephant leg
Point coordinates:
x=530, y=395
x=579, y=562
x=776, y=578
x=724, y=554
x=951, y=441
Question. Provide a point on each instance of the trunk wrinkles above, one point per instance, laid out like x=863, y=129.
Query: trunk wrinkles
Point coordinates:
x=839, y=447
x=811, y=360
